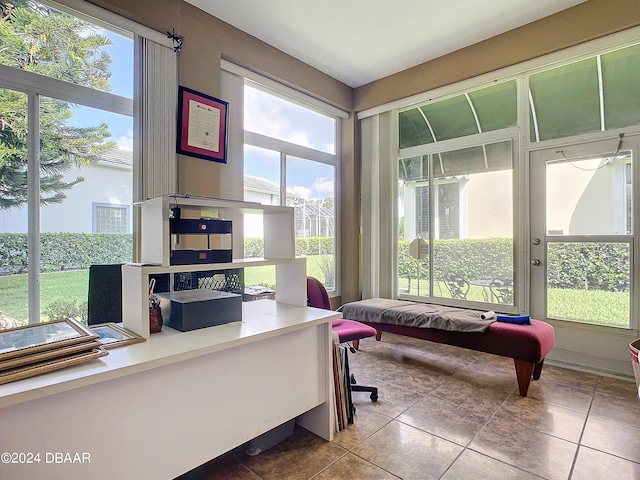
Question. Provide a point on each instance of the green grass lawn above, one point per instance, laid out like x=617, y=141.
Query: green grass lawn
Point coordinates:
x=73, y=286
x=591, y=306
x=608, y=308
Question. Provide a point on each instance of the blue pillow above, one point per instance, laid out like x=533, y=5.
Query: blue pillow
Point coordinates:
x=518, y=319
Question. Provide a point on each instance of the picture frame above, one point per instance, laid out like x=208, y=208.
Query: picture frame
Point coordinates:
x=40, y=337
x=111, y=335
x=48, y=355
x=50, y=365
x=202, y=125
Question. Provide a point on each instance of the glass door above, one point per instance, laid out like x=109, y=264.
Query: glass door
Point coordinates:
x=582, y=246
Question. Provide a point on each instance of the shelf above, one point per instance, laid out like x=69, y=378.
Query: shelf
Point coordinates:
x=278, y=223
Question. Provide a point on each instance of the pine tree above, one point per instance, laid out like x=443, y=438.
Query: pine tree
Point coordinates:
x=39, y=39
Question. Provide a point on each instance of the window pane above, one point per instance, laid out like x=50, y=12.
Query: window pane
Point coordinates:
x=496, y=106
x=589, y=196
x=621, y=87
x=311, y=191
x=87, y=180
x=413, y=129
x=413, y=226
x=261, y=185
x=272, y=116
x=589, y=282
x=485, y=110
x=452, y=118
x=14, y=288
x=473, y=249
x=40, y=39
x=478, y=159
x=473, y=230
x=566, y=101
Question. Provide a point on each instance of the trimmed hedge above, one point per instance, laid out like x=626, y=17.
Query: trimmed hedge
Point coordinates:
x=589, y=266
x=583, y=266
x=580, y=266
x=304, y=246
x=485, y=258
x=65, y=251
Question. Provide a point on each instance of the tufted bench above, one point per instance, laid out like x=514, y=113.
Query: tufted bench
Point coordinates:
x=528, y=345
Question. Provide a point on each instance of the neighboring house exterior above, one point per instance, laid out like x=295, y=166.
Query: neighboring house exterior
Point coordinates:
x=102, y=203
x=99, y=204
x=479, y=206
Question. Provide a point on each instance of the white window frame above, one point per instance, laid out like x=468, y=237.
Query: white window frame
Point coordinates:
x=246, y=76
x=35, y=86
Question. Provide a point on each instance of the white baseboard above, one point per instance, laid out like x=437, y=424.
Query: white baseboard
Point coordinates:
x=590, y=364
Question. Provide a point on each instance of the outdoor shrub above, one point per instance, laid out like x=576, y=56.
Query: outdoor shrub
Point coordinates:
x=65, y=251
x=304, y=246
x=66, y=309
x=589, y=266
x=474, y=258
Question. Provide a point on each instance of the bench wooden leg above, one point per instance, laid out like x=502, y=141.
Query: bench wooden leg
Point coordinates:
x=538, y=370
x=378, y=335
x=356, y=344
x=524, y=370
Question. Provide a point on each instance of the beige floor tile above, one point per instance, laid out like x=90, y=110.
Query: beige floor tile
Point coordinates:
x=617, y=409
x=614, y=438
x=469, y=395
x=299, y=457
x=444, y=419
x=420, y=380
x=618, y=387
x=544, y=417
x=392, y=400
x=561, y=395
x=445, y=365
x=475, y=466
x=594, y=465
x=572, y=378
x=408, y=452
x=353, y=467
x=528, y=449
x=489, y=376
x=365, y=424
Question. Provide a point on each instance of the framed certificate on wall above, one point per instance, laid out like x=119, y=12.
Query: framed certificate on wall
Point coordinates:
x=202, y=125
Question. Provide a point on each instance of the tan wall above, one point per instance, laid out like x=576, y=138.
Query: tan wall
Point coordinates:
x=587, y=21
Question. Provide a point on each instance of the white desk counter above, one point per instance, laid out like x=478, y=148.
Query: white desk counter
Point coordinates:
x=160, y=408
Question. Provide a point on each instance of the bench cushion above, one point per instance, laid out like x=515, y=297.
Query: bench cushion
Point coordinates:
x=530, y=343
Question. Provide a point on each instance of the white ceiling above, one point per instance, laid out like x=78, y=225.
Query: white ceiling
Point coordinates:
x=359, y=41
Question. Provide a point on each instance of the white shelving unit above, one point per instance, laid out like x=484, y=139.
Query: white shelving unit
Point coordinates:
x=279, y=247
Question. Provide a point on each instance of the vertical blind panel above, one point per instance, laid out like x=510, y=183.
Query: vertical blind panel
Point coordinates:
x=159, y=107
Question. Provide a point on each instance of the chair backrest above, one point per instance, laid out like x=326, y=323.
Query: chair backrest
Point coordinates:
x=456, y=284
x=502, y=289
x=317, y=295
x=105, y=294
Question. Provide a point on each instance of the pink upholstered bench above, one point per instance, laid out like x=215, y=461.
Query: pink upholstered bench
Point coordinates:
x=528, y=345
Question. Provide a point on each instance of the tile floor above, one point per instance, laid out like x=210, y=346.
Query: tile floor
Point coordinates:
x=451, y=414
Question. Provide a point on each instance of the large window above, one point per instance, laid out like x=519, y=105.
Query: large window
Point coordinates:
x=67, y=207
x=469, y=234
x=459, y=168
x=290, y=159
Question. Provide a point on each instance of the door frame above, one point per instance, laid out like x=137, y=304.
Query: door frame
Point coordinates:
x=595, y=347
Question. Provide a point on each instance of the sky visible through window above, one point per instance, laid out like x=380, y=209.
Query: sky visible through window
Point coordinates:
x=121, y=127
x=274, y=117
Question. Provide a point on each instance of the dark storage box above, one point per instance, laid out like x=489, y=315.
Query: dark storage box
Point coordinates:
x=190, y=257
x=192, y=309
x=201, y=225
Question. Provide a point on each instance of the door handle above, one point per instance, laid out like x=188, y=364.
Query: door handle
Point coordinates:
x=535, y=262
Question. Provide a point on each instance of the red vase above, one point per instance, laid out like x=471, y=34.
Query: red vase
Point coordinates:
x=155, y=320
